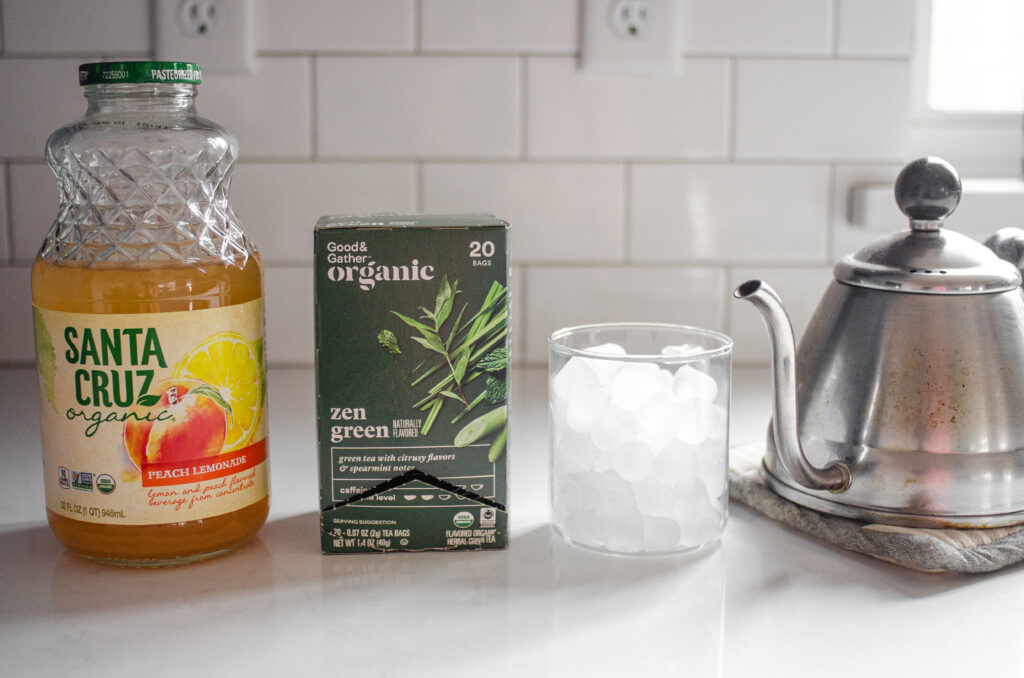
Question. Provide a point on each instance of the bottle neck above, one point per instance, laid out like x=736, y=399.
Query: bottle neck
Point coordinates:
x=141, y=98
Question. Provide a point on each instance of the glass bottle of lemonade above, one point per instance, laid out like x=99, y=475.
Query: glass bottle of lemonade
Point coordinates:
x=148, y=307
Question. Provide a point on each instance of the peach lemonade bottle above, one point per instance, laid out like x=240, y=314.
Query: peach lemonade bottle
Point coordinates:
x=148, y=308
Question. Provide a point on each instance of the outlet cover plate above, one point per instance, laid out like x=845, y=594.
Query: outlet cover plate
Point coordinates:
x=230, y=49
x=631, y=37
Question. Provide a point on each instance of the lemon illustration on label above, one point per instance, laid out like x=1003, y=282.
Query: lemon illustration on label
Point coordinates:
x=230, y=363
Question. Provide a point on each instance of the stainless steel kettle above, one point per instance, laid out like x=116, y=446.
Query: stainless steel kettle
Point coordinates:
x=905, y=401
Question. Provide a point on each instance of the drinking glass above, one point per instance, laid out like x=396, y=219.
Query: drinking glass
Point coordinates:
x=639, y=417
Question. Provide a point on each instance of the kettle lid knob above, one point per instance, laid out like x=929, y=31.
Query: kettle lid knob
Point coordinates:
x=927, y=191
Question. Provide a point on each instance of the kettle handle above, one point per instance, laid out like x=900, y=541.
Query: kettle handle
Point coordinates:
x=1008, y=244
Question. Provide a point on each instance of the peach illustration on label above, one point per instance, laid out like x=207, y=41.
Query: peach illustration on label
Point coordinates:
x=188, y=420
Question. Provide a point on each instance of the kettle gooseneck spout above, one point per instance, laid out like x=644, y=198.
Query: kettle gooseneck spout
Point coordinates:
x=835, y=476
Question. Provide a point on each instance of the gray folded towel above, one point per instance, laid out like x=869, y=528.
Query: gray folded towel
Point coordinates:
x=927, y=550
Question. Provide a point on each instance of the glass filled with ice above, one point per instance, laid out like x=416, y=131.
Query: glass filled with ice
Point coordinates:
x=639, y=436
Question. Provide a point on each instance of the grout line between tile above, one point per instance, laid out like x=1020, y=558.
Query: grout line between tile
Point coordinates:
x=730, y=113
x=726, y=315
x=627, y=225
x=834, y=37
x=831, y=202
x=314, y=139
x=533, y=160
x=417, y=27
x=523, y=122
x=417, y=186
x=8, y=213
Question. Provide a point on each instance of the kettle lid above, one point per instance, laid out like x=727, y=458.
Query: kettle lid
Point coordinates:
x=928, y=259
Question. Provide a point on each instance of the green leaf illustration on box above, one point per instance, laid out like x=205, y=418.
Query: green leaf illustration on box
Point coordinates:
x=467, y=351
x=389, y=341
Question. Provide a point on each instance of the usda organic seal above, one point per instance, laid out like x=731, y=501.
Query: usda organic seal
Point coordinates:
x=105, y=484
x=463, y=519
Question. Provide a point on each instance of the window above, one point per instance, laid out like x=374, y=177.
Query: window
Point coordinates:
x=976, y=56
x=968, y=78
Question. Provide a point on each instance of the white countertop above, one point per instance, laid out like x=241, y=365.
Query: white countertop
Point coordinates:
x=769, y=601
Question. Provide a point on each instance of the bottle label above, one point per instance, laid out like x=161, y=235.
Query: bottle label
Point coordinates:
x=152, y=418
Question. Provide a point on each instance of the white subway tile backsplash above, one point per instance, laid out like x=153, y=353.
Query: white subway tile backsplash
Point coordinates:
x=822, y=109
x=280, y=202
x=5, y=226
x=560, y=297
x=59, y=27
x=875, y=27
x=16, y=340
x=849, y=237
x=558, y=212
x=500, y=26
x=800, y=289
x=758, y=27
x=335, y=25
x=418, y=106
x=289, y=310
x=40, y=95
x=268, y=110
x=577, y=115
x=34, y=200
x=629, y=197
x=728, y=212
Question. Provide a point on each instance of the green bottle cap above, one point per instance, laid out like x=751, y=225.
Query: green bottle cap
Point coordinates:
x=114, y=72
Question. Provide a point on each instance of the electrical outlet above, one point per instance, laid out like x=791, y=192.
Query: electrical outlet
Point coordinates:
x=631, y=37
x=216, y=34
x=200, y=18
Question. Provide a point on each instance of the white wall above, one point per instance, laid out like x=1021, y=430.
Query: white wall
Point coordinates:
x=630, y=198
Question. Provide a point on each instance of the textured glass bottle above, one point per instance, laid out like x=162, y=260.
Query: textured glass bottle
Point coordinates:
x=148, y=307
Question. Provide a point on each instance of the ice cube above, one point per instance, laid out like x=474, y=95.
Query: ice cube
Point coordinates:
x=574, y=374
x=634, y=385
x=576, y=527
x=716, y=421
x=704, y=530
x=568, y=496
x=713, y=460
x=676, y=462
x=612, y=430
x=681, y=350
x=573, y=451
x=615, y=497
x=654, y=498
x=606, y=349
x=633, y=461
x=693, y=384
x=659, y=421
x=585, y=408
x=660, y=534
x=595, y=530
x=589, y=483
x=695, y=421
x=665, y=381
x=690, y=499
x=605, y=369
x=605, y=460
x=626, y=534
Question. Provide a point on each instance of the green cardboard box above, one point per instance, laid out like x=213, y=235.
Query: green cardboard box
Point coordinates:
x=412, y=381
